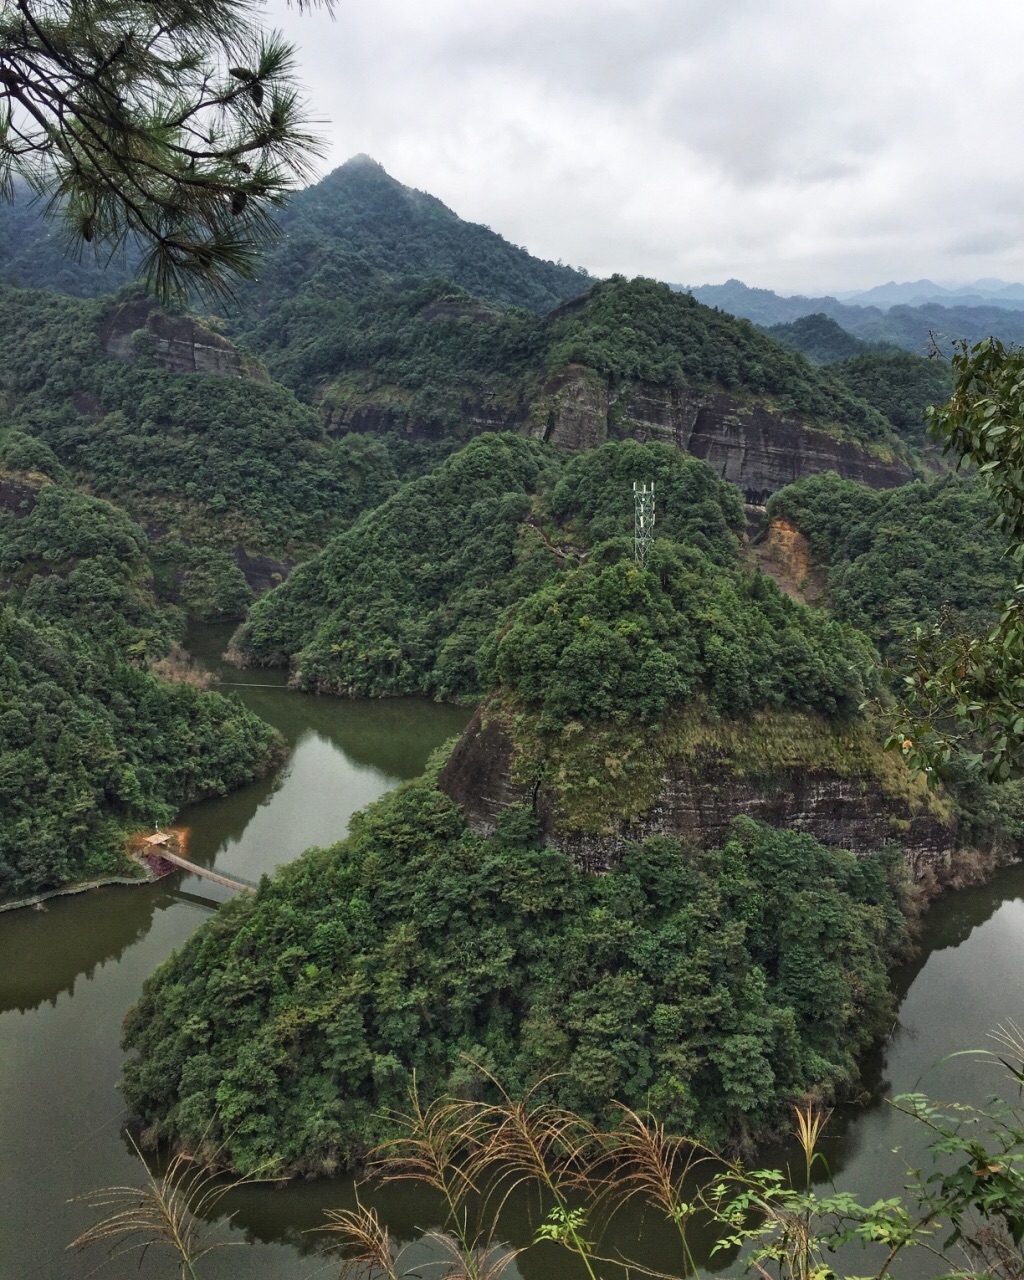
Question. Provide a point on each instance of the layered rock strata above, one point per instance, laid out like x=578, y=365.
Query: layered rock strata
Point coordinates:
x=756, y=447
x=695, y=803
x=178, y=344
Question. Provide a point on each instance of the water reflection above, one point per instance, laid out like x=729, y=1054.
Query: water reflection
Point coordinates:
x=95, y=929
x=69, y=973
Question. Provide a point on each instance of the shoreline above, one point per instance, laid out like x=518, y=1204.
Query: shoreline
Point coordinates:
x=135, y=848
x=81, y=886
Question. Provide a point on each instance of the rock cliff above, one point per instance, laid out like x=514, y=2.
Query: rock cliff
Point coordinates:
x=747, y=442
x=843, y=792
x=758, y=449
x=19, y=492
x=178, y=344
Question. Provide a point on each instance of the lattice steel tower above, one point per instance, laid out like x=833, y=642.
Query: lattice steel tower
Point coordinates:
x=643, y=502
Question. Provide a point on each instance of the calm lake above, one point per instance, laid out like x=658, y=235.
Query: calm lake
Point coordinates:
x=68, y=974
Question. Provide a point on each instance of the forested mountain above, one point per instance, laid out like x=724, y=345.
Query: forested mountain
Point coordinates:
x=348, y=428
x=684, y=980
x=361, y=220
x=904, y=557
x=34, y=256
x=433, y=361
x=351, y=233
x=407, y=599
x=710, y=987
x=900, y=385
x=216, y=460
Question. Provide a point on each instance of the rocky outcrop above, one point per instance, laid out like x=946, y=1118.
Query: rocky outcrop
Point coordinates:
x=695, y=803
x=20, y=493
x=344, y=410
x=784, y=553
x=137, y=329
x=262, y=573
x=756, y=448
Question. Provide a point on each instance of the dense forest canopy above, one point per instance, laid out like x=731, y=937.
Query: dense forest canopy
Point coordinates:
x=92, y=744
x=401, y=233
x=613, y=641
x=402, y=601
x=715, y=985
x=901, y=386
x=219, y=460
x=902, y=557
x=421, y=353
x=711, y=986
x=819, y=337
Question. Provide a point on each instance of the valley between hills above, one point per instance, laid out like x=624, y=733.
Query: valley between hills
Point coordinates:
x=666, y=860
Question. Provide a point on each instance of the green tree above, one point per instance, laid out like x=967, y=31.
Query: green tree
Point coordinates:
x=968, y=690
x=171, y=124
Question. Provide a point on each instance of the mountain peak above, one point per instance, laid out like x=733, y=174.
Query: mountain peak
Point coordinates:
x=361, y=161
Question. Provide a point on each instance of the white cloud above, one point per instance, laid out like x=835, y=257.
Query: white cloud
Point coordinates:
x=799, y=144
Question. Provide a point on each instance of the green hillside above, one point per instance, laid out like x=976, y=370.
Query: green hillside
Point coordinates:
x=902, y=557
x=819, y=337
x=433, y=360
x=361, y=211
x=219, y=460
x=402, y=601
x=712, y=987
x=900, y=386
x=93, y=744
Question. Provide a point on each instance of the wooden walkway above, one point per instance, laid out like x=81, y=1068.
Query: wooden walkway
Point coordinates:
x=166, y=856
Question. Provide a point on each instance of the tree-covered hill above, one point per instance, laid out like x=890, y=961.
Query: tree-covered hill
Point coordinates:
x=348, y=234
x=900, y=385
x=899, y=558
x=819, y=337
x=713, y=987
x=92, y=743
x=221, y=461
x=33, y=254
x=433, y=361
x=92, y=746
x=360, y=211
x=640, y=329
x=402, y=601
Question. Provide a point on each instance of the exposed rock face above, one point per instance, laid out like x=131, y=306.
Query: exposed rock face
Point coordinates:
x=343, y=414
x=20, y=493
x=262, y=573
x=178, y=343
x=784, y=553
x=758, y=450
x=696, y=805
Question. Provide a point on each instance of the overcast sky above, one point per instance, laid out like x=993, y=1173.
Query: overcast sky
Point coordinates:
x=801, y=145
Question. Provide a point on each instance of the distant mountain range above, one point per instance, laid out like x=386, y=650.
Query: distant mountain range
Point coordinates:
x=921, y=328
x=915, y=293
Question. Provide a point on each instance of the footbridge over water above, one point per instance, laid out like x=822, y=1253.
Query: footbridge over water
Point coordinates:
x=162, y=860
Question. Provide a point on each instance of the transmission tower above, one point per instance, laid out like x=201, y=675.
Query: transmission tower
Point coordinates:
x=643, y=502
